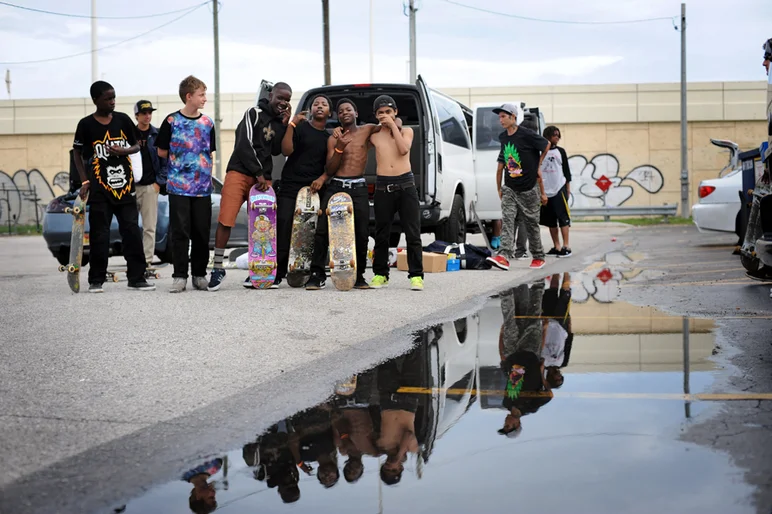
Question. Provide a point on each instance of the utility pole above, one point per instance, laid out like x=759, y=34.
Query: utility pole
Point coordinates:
x=217, y=120
x=685, y=209
x=411, y=14
x=372, y=42
x=94, y=63
x=326, y=27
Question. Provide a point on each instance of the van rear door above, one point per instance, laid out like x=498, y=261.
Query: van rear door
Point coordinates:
x=433, y=179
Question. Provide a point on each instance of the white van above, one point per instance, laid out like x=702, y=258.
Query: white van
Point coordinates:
x=452, y=158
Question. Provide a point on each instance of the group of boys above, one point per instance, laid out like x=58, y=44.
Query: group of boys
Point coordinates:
x=177, y=160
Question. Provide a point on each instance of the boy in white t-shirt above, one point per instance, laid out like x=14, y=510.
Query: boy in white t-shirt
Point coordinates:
x=557, y=185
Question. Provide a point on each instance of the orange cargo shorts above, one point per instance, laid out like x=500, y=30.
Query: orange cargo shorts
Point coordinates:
x=235, y=191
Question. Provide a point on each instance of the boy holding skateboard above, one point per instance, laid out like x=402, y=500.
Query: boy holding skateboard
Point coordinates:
x=187, y=139
x=305, y=146
x=395, y=192
x=346, y=159
x=105, y=140
x=258, y=137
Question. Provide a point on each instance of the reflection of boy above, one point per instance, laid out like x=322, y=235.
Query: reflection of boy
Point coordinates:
x=558, y=337
x=202, y=497
x=520, y=344
x=272, y=459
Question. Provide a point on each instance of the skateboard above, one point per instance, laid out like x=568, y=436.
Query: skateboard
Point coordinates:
x=262, y=237
x=152, y=272
x=78, y=210
x=340, y=216
x=302, y=241
x=476, y=218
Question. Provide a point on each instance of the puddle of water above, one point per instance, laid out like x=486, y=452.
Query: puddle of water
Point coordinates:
x=423, y=432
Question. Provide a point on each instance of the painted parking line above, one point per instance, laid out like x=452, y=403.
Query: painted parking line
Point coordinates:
x=704, y=397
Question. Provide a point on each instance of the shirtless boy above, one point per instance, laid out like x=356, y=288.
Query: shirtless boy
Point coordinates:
x=395, y=192
x=346, y=159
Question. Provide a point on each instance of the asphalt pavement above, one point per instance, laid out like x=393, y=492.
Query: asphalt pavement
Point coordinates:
x=125, y=388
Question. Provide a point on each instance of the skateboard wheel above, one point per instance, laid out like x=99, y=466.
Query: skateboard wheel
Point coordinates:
x=62, y=268
x=349, y=209
x=157, y=276
x=328, y=211
x=351, y=263
x=332, y=264
x=292, y=267
x=76, y=210
x=318, y=212
x=68, y=210
x=71, y=268
x=298, y=212
x=115, y=278
x=274, y=206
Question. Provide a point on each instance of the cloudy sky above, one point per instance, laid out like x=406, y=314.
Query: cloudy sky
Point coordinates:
x=457, y=46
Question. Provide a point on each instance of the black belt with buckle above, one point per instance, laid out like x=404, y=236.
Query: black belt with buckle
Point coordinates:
x=350, y=184
x=390, y=188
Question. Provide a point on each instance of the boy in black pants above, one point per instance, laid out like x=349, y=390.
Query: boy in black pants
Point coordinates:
x=395, y=192
x=106, y=139
x=187, y=139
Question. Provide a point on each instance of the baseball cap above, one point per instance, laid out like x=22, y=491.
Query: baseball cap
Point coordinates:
x=384, y=101
x=143, y=105
x=508, y=108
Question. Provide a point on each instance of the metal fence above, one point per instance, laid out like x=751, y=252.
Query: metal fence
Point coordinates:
x=608, y=212
x=19, y=204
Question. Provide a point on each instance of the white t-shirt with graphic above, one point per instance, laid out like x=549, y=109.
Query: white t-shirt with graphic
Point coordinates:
x=552, y=173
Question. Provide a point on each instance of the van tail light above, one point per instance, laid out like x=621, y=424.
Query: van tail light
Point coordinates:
x=706, y=190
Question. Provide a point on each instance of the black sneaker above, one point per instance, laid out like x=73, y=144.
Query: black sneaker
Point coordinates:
x=95, y=288
x=361, y=283
x=565, y=252
x=553, y=253
x=141, y=285
x=248, y=284
x=216, y=279
x=763, y=275
x=315, y=283
x=275, y=284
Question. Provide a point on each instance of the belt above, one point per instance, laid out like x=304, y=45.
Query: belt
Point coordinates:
x=390, y=188
x=351, y=183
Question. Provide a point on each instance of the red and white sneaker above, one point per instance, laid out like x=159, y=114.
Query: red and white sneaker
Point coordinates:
x=537, y=264
x=500, y=262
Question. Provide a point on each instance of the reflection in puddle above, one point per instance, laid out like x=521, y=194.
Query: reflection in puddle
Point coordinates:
x=536, y=402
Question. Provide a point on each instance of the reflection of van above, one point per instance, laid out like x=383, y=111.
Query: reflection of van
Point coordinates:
x=443, y=156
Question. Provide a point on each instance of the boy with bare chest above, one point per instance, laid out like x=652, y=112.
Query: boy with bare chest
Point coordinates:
x=395, y=192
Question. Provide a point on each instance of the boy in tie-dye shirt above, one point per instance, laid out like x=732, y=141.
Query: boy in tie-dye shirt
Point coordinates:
x=187, y=138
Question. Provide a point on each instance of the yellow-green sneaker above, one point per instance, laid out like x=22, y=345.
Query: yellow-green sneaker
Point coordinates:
x=378, y=282
x=417, y=284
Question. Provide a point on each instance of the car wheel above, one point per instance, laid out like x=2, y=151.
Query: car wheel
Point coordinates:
x=738, y=229
x=166, y=254
x=453, y=230
x=750, y=263
x=63, y=256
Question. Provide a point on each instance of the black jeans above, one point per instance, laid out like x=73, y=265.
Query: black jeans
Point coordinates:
x=190, y=220
x=405, y=202
x=100, y=216
x=361, y=227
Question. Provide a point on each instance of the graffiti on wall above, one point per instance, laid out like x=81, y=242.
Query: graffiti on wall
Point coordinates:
x=17, y=195
x=584, y=174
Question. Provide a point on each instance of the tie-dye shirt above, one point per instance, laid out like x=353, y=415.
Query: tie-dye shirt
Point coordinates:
x=190, y=142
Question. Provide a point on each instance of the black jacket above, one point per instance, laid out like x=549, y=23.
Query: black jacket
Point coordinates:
x=258, y=138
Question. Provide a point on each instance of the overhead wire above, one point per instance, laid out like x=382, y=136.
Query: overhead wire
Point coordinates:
x=566, y=22
x=113, y=45
x=87, y=16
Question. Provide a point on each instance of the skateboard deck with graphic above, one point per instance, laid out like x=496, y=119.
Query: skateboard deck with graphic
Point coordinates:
x=302, y=241
x=262, y=237
x=78, y=211
x=340, y=216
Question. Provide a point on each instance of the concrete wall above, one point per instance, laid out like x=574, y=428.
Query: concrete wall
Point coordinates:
x=630, y=133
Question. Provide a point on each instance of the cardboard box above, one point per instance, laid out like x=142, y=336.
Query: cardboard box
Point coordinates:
x=433, y=262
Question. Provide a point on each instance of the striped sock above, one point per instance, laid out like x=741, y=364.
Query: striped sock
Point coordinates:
x=219, y=253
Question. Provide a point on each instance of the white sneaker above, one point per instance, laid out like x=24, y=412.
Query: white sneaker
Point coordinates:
x=179, y=285
x=200, y=283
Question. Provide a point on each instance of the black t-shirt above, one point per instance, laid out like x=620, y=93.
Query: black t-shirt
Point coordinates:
x=148, y=173
x=306, y=163
x=520, y=154
x=532, y=382
x=111, y=176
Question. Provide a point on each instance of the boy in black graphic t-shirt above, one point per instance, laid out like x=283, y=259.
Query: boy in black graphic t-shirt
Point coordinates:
x=305, y=146
x=105, y=140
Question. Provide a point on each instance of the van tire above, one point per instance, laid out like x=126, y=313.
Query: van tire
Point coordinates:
x=453, y=230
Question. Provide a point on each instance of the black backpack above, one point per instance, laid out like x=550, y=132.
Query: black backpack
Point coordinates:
x=471, y=256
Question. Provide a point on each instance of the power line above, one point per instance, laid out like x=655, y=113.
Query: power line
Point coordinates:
x=567, y=22
x=190, y=11
x=32, y=9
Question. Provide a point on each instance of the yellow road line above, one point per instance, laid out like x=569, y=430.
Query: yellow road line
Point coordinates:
x=705, y=397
